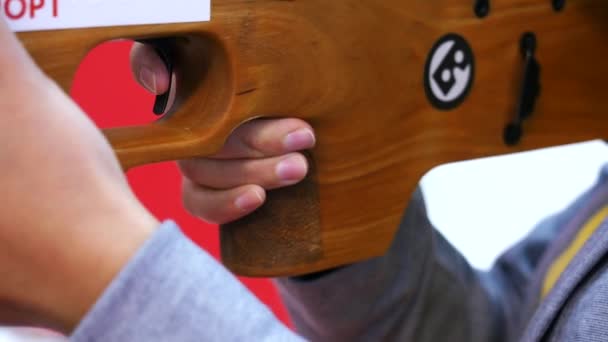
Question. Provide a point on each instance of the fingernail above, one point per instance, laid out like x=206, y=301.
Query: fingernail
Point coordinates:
x=147, y=78
x=249, y=201
x=299, y=140
x=291, y=169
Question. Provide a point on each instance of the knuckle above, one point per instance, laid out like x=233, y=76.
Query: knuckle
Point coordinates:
x=252, y=143
x=249, y=172
x=189, y=199
x=189, y=168
x=196, y=204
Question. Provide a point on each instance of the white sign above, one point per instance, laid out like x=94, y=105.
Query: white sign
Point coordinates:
x=37, y=15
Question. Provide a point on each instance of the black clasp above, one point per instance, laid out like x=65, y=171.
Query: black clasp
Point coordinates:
x=530, y=90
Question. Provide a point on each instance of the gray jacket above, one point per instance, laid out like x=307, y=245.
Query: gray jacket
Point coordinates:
x=551, y=286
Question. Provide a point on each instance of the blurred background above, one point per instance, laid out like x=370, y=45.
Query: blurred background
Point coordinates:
x=481, y=206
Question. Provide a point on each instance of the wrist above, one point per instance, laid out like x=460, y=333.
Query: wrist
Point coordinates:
x=115, y=238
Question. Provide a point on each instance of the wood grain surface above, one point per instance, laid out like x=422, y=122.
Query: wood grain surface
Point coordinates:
x=355, y=70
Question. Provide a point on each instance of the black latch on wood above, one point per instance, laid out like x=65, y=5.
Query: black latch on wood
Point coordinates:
x=530, y=90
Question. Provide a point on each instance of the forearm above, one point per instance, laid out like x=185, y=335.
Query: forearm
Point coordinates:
x=60, y=264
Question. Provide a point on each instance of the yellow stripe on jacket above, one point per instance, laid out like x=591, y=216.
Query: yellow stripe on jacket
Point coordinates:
x=560, y=264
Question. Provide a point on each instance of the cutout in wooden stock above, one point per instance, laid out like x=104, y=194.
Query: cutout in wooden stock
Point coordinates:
x=116, y=99
x=190, y=127
x=194, y=125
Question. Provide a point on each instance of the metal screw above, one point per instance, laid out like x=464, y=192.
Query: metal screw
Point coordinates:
x=482, y=8
x=558, y=5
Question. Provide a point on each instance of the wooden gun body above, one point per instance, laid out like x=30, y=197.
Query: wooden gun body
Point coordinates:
x=356, y=70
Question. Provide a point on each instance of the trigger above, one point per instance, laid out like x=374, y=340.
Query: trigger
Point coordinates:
x=163, y=49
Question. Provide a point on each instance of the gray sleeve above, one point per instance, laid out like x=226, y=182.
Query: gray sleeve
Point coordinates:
x=173, y=291
x=422, y=290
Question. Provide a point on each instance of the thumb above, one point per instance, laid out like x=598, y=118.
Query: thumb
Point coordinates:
x=148, y=69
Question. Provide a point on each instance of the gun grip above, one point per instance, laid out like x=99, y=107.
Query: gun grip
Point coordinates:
x=281, y=236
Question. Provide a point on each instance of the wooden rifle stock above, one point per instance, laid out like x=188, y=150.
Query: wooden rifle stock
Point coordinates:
x=354, y=69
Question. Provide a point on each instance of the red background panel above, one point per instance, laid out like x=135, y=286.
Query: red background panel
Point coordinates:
x=105, y=88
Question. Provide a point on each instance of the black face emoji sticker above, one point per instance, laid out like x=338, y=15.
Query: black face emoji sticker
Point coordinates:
x=449, y=72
